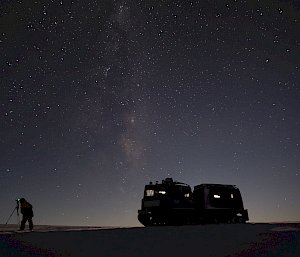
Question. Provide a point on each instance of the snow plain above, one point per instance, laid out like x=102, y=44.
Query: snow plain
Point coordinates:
x=199, y=240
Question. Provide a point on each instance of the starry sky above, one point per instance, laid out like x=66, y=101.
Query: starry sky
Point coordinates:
x=100, y=97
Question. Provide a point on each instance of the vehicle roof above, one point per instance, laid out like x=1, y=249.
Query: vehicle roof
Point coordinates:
x=174, y=183
x=166, y=183
x=207, y=185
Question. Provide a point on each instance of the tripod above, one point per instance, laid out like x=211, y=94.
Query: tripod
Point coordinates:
x=16, y=208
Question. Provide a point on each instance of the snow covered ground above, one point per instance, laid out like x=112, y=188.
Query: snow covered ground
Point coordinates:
x=201, y=240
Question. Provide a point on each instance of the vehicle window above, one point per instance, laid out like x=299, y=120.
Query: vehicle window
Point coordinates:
x=224, y=198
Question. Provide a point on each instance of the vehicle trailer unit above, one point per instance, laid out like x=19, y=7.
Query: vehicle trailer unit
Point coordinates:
x=174, y=203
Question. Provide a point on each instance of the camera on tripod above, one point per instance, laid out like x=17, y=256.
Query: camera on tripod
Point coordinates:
x=16, y=208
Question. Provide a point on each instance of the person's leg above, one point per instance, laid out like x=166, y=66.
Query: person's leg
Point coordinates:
x=30, y=223
x=24, y=219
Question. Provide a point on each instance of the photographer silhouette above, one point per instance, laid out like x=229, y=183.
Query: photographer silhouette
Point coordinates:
x=26, y=210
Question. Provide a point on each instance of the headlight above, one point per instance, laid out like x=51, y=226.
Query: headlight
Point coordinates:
x=162, y=192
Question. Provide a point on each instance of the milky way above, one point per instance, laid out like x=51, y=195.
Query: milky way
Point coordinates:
x=100, y=97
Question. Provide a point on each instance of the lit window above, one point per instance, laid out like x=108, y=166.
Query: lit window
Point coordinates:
x=231, y=196
x=187, y=195
x=149, y=192
x=217, y=196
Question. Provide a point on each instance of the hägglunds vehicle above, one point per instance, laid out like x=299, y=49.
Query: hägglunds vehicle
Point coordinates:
x=174, y=203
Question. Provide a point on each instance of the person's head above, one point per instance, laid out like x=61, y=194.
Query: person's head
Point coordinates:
x=22, y=200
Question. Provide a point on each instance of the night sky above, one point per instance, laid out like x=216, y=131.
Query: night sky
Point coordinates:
x=97, y=98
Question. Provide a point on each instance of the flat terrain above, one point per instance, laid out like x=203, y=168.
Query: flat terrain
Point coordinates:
x=5, y=229
x=259, y=239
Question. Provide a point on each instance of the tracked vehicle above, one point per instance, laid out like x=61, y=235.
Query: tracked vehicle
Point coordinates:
x=174, y=203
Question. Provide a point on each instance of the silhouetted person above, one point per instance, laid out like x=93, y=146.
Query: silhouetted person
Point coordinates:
x=26, y=210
